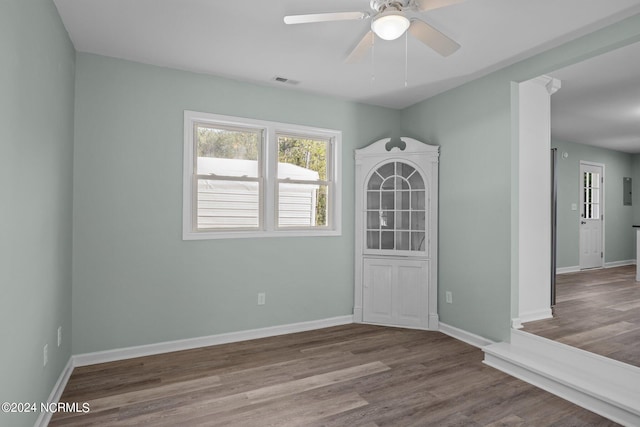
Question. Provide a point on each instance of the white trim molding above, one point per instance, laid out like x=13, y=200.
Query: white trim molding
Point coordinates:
x=464, y=336
x=599, y=384
x=613, y=264
x=191, y=343
x=565, y=270
x=610, y=264
x=532, y=316
x=56, y=392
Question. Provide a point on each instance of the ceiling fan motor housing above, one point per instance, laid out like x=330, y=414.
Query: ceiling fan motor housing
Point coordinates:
x=382, y=5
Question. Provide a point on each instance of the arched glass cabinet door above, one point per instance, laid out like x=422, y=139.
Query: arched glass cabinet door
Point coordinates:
x=396, y=211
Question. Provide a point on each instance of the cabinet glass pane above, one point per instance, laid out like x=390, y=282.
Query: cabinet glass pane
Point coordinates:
x=395, y=206
x=402, y=241
x=417, y=200
x=387, y=170
x=416, y=181
x=373, y=239
x=417, y=220
x=402, y=221
x=374, y=182
x=403, y=200
x=388, y=200
x=389, y=184
x=387, y=219
x=402, y=184
x=386, y=241
x=373, y=219
x=373, y=200
x=417, y=241
x=404, y=170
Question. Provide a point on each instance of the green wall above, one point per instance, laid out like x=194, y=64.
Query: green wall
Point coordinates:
x=36, y=152
x=478, y=242
x=619, y=238
x=635, y=188
x=135, y=281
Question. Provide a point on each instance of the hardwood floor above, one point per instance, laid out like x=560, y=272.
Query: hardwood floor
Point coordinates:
x=597, y=311
x=352, y=375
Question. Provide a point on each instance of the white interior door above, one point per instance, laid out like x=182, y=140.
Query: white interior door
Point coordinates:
x=591, y=215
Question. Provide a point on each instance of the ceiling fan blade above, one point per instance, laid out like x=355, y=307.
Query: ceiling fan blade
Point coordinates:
x=434, y=4
x=433, y=38
x=324, y=17
x=361, y=49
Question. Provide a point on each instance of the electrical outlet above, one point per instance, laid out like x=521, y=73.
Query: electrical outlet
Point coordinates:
x=262, y=298
x=45, y=354
x=59, y=335
x=448, y=296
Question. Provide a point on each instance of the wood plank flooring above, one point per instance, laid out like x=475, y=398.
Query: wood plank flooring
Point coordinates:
x=597, y=311
x=352, y=375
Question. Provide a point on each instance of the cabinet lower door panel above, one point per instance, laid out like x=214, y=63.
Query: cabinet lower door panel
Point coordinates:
x=395, y=292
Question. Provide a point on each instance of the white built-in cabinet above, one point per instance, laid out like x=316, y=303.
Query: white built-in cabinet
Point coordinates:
x=396, y=234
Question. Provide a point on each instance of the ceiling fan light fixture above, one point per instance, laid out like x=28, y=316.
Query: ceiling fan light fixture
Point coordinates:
x=390, y=25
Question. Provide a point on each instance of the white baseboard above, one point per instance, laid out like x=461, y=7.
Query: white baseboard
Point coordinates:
x=532, y=316
x=56, y=392
x=516, y=323
x=564, y=270
x=464, y=336
x=601, y=385
x=613, y=264
x=190, y=343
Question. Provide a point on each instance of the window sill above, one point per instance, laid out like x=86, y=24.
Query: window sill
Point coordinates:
x=251, y=234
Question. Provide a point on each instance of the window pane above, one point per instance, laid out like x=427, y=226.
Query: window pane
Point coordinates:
x=303, y=159
x=227, y=151
x=302, y=205
x=227, y=204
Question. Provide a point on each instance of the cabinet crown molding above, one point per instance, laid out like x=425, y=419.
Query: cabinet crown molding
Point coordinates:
x=404, y=145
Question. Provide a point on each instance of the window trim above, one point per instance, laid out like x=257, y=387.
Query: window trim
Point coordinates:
x=268, y=220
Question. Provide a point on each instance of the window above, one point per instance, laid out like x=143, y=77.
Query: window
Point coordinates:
x=250, y=178
x=591, y=195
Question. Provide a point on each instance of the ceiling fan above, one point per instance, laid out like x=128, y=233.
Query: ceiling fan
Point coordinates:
x=389, y=21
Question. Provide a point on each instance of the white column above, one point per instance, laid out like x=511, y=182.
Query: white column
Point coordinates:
x=534, y=205
x=638, y=255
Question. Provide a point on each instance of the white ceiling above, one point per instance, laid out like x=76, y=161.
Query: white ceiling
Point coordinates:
x=247, y=40
x=599, y=102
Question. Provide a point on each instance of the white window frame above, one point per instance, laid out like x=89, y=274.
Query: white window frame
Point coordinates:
x=268, y=221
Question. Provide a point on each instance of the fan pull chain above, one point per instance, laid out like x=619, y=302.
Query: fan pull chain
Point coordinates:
x=406, y=58
x=373, y=63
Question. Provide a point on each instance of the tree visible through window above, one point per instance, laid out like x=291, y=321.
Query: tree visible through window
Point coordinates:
x=251, y=178
x=310, y=158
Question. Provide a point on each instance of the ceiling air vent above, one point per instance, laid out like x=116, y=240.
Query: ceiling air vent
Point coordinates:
x=285, y=80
